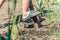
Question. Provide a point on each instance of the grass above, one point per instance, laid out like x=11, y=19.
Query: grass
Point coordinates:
x=13, y=29
x=17, y=1
x=49, y=19
x=11, y=32
x=14, y=26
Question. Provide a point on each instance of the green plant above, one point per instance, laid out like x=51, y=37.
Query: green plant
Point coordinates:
x=9, y=29
x=12, y=29
x=49, y=21
x=40, y=4
x=0, y=38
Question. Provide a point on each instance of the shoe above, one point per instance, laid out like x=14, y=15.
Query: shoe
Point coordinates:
x=32, y=13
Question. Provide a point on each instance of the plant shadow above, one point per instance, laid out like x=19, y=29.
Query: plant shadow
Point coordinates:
x=34, y=19
x=45, y=11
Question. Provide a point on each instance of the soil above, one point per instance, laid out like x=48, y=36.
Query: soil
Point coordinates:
x=30, y=31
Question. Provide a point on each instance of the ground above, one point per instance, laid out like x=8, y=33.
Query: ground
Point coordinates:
x=47, y=31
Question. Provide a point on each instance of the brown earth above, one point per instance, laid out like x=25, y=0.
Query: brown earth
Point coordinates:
x=29, y=32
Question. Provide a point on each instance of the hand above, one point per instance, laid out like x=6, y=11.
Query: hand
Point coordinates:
x=1, y=2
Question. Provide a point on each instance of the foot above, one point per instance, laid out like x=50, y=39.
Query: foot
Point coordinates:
x=30, y=14
x=25, y=15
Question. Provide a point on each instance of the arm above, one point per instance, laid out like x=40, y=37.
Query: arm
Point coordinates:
x=1, y=2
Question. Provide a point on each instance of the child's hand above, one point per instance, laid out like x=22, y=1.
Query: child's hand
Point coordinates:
x=1, y=2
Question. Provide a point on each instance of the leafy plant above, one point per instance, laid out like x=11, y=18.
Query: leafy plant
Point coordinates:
x=40, y=4
x=12, y=29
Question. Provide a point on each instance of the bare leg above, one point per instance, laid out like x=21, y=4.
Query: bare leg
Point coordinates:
x=28, y=10
x=1, y=2
x=25, y=7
